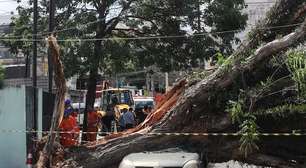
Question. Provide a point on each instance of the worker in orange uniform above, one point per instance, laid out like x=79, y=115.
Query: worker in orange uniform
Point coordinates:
x=70, y=130
x=93, y=122
x=158, y=98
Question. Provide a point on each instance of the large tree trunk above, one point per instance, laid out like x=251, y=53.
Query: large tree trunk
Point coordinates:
x=93, y=73
x=201, y=109
x=90, y=97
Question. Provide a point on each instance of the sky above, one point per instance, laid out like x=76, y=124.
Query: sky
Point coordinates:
x=7, y=6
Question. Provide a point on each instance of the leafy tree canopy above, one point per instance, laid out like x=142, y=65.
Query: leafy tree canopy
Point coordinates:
x=89, y=19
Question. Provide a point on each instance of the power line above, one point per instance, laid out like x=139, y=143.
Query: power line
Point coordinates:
x=272, y=28
x=83, y=25
x=58, y=31
x=259, y=2
x=293, y=133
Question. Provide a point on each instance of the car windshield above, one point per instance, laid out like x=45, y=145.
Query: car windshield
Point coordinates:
x=141, y=104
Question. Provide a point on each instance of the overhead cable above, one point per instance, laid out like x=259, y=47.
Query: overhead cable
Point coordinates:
x=272, y=28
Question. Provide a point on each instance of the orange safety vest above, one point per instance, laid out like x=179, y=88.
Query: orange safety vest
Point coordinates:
x=74, y=114
x=158, y=98
x=69, y=125
x=93, y=119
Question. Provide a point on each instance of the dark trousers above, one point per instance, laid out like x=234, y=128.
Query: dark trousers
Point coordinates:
x=127, y=126
x=122, y=128
x=107, y=121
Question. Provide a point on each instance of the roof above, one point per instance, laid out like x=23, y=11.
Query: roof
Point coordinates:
x=116, y=89
x=143, y=98
x=154, y=159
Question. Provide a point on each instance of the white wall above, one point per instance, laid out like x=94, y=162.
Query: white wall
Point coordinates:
x=256, y=11
x=12, y=117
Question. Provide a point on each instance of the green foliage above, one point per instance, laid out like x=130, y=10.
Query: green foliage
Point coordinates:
x=21, y=28
x=247, y=124
x=225, y=15
x=224, y=62
x=140, y=18
x=263, y=87
x=1, y=76
x=283, y=110
x=266, y=84
x=198, y=75
x=220, y=59
x=172, y=17
x=296, y=63
x=248, y=130
x=235, y=109
x=228, y=64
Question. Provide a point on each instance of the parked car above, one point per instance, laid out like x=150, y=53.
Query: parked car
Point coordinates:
x=140, y=102
x=161, y=160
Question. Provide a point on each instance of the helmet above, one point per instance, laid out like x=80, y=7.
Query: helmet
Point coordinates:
x=67, y=112
x=67, y=102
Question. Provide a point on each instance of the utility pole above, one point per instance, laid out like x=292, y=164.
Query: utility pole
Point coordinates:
x=199, y=16
x=152, y=85
x=199, y=27
x=51, y=28
x=166, y=81
x=34, y=70
x=147, y=83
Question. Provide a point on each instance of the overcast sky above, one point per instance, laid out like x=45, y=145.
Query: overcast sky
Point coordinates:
x=7, y=6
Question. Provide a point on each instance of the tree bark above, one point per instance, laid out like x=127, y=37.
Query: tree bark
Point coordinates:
x=93, y=74
x=103, y=28
x=90, y=97
x=60, y=82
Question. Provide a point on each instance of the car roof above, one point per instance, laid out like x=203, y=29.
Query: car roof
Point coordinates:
x=142, y=98
x=165, y=159
x=78, y=105
x=116, y=89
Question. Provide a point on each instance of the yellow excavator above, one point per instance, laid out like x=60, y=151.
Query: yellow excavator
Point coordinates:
x=113, y=101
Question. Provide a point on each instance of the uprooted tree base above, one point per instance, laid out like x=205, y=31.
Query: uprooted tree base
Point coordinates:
x=200, y=107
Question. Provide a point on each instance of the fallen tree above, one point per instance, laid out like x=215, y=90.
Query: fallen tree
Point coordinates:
x=201, y=107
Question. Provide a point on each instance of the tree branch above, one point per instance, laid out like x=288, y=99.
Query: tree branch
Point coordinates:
x=300, y=12
x=97, y=4
x=128, y=30
x=142, y=18
x=112, y=23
